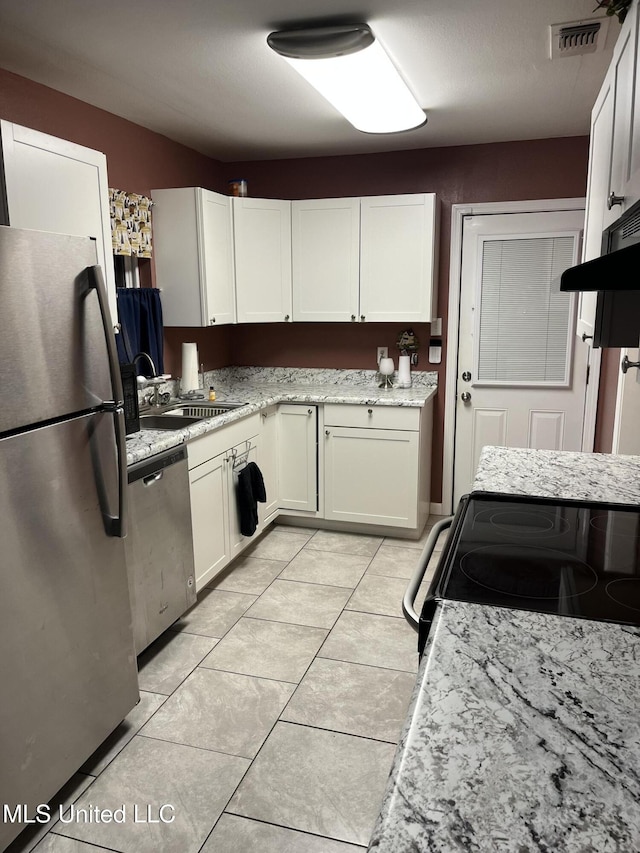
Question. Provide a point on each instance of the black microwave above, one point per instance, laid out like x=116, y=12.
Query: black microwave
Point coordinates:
x=615, y=275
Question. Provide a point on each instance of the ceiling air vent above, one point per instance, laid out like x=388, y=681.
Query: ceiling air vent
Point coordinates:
x=578, y=37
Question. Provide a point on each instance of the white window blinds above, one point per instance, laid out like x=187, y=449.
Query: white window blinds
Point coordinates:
x=524, y=334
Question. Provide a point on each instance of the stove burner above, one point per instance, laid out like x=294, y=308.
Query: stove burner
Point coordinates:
x=525, y=571
x=622, y=524
x=624, y=590
x=523, y=524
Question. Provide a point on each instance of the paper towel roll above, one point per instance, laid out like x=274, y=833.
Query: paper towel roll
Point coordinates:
x=189, y=380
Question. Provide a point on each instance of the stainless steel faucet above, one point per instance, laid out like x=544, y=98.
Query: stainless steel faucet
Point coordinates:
x=155, y=381
x=149, y=359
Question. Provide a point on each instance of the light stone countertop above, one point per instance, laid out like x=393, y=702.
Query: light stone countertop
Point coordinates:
x=523, y=732
x=263, y=387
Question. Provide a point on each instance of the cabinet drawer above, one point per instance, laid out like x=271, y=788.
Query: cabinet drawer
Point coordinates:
x=377, y=417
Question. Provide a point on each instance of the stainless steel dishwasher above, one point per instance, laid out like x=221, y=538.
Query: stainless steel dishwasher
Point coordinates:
x=159, y=544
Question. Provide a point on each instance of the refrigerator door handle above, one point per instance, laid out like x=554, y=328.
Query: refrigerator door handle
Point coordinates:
x=95, y=281
x=116, y=525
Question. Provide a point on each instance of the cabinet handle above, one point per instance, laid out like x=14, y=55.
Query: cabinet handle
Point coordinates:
x=326, y=432
x=614, y=199
x=362, y=318
x=626, y=364
x=212, y=321
x=286, y=318
x=309, y=411
x=370, y=411
x=353, y=318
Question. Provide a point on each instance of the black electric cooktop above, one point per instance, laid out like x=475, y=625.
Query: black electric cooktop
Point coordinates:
x=570, y=558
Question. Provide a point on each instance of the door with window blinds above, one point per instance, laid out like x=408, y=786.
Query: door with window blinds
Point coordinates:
x=521, y=370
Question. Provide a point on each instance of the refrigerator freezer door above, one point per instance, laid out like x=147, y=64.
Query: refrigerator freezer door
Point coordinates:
x=68, y=670
x=52, y=341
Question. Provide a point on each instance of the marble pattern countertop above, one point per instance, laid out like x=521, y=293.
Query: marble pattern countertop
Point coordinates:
x=262, y=387
x=552, y=473
x=523, y=732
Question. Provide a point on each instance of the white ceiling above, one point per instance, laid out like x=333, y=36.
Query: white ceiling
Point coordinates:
x=200, y=71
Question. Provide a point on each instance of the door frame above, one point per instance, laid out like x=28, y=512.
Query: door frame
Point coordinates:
x=458, y=212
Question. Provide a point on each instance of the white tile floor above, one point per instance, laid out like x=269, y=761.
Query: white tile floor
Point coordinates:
x=269, y=713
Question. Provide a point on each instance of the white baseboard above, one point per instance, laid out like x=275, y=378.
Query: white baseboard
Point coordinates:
x=435, y=509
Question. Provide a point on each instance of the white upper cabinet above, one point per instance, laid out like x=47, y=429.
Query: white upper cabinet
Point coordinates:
x=262, y=232
x=55, y=185
x=624, y=177
x=370, y=259
x=193, y=250
x=326, y=259
x=597, y=192
x=398, y=246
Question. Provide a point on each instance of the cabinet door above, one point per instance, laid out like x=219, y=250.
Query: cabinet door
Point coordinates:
x=371, y=476
x=268, y=463
x=326, y=259
x=216, y=258
x=210, y=518
x=55, y=185
x=398, y=258
x=597, y=191
x=297, y=457
x=625, y=157
x=237, y=457
x=193, y=251
x=262, y=237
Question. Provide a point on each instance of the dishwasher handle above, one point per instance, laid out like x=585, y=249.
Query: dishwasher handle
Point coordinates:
x=150, y=479
x=408, y=602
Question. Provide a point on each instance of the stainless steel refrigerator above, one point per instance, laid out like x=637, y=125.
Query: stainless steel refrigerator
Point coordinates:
x=68, y=671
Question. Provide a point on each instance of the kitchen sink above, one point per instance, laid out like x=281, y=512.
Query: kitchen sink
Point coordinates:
x=185, y=414
x=166, y=421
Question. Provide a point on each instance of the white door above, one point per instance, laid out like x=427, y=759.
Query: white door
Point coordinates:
x=626, y=432
x=522, y=371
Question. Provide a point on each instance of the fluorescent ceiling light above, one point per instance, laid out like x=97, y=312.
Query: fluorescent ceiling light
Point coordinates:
x=351, y=70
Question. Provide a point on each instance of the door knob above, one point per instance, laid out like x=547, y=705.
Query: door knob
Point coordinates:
x=614, y=199
x=465, y=396
x=466, y=376
x=626, y=364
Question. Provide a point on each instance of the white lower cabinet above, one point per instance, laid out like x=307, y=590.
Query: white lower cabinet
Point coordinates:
x=209, y=518
x=268, y=463
x=213, y=480
x=375, y=462
x=370, y=476
x=297, y=457
x=377, y=465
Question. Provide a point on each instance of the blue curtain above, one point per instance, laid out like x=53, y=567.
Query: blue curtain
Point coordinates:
x=140, y=316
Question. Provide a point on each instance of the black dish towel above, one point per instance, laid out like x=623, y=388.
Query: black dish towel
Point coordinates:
x=250, y=490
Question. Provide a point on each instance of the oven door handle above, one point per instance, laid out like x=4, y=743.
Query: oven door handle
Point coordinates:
x=414, y=584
